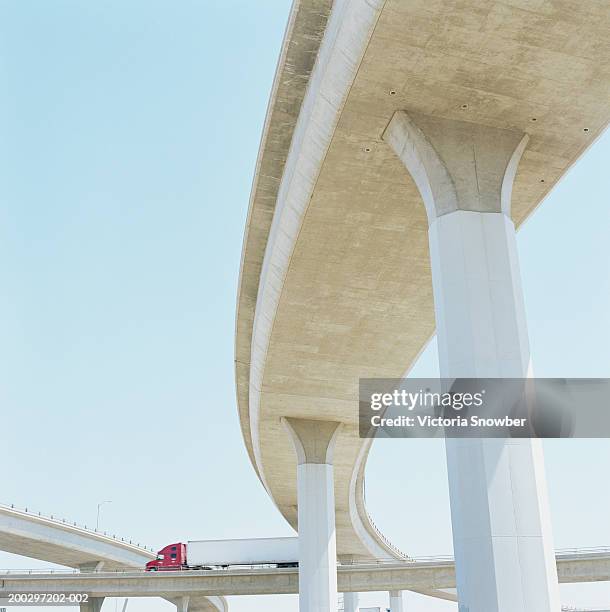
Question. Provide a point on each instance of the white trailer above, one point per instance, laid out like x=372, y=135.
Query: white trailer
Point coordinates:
x=283, y=552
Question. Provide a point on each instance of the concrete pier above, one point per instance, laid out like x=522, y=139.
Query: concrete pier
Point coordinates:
x=93, y=605
x=350, y=602
x=396, y=601
x=499, y=507
x=314, y=443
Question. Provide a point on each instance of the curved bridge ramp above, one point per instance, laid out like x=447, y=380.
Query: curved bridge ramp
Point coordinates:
x=47, y=538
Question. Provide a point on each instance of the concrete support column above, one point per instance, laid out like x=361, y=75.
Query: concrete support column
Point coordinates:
x=183, y=604
x=350, y=602
x=93, y=605
x=93, y=566
x=499, y=508
x=314, y=442
x=396, y=601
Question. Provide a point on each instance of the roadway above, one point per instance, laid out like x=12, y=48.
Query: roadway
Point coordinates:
x=588, y=565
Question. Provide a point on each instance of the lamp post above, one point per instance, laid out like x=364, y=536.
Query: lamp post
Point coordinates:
x=97, y=522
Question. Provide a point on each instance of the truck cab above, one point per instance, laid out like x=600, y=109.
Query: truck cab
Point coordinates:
x=172, y=557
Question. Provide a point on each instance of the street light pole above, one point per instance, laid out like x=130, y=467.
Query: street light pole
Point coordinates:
x=97, y=522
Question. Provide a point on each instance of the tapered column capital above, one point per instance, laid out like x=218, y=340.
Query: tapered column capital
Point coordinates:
x=457, y=165
x=314, y=441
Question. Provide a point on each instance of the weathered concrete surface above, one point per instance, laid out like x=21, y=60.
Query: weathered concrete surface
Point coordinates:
x=418, y=576
x=340, y=287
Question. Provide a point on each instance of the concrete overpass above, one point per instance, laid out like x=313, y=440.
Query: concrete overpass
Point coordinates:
x=586, y=566
x=46, y=538
x=57, y=540
x=403, y=136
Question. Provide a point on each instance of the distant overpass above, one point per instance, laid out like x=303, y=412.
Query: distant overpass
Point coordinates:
x=587, y=565
x=57, y=540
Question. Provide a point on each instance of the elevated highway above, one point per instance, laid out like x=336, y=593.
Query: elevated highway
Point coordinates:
x=426, y=575
x=336, y=280
x=59, y=541
x=34, y=535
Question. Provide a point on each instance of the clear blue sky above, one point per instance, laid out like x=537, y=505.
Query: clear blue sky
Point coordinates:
x=128, y=137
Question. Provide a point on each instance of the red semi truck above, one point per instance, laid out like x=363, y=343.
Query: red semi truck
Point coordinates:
x=212, y=554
